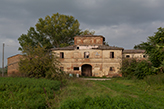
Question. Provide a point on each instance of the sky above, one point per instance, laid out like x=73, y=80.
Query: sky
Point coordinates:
x=123, y=23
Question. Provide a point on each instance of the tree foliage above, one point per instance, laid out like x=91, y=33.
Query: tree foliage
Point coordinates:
x=51, y=32
x=87, y=32
x=37, y=62
x=154, y=47
x=133, y=68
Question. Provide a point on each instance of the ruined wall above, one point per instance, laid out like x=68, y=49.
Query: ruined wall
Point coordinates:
x=134, y=55
x=99, y=60
x=91, y=40
x=13, y=67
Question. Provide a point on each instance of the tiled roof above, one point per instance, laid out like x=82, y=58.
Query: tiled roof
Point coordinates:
x=14, y=56
x=134, y=51
x=100, y=47
x=105, y=47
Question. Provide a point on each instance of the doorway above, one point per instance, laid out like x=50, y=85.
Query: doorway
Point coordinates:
x=86, y=70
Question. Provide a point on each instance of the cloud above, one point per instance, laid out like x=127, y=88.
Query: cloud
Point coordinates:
x=124, y=23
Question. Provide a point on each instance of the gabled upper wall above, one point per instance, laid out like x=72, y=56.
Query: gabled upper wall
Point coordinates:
x=89, y=40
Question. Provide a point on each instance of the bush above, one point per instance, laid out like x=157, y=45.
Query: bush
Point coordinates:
x=27, y=93
x=104, y=102
x=142, y=69
x=131, y=68
x=128, y=67
x=40, y=63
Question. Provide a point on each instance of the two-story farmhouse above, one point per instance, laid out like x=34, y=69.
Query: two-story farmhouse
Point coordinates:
x=90, y=57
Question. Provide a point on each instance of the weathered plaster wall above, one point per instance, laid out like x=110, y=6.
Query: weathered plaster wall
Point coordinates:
x=13, y=66
x=134, y=55
x=99, y=60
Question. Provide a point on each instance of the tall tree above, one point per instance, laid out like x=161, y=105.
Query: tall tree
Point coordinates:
x=51, y=32
x=154, y=47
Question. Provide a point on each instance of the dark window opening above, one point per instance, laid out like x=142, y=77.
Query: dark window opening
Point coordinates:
x=111, y=54
x=76, y=68
x=61, y=55
x=144, y=56
x=86, y=54
x=111, y=68
x=127, y=56
x=77, y=47
x=62, y=68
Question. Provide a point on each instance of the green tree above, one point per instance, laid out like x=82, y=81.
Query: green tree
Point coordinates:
x=154, y=47
x=87, y=32
x=51, y=32
x=38, y=62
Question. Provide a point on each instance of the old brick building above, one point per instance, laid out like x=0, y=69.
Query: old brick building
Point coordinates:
x=139, y=54
x=13, y=65
x=90, y=57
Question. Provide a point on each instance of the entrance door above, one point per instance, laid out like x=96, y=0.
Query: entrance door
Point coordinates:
x=86, y=70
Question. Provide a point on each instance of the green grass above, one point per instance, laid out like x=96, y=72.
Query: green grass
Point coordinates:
x=26, y=93
x=117, y=91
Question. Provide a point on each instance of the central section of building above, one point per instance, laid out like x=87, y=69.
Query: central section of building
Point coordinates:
x=90, y=57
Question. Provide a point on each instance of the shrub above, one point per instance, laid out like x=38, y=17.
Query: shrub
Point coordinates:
x=131, y=68
x=128, y=67
x=40, y=63
x=142, y=69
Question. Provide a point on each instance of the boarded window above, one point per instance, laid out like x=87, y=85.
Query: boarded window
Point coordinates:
x=111, y=54
x=86, y=54
x=62, y=68
x=127, y=56
x=112, y=69
x=61, y=54
x=76, y=68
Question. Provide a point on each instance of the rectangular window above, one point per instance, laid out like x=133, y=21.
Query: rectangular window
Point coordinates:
x=127, y=56
x=62, y=68
x=112, y=69
x=61, y=54
x=77, y=47
x=111, y=54
x=76, y=68
x=86, y=54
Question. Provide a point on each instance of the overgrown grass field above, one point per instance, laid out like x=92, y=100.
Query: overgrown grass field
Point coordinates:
x=117, y=93
x=26, y=93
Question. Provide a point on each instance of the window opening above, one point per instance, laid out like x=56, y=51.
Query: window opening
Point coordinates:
x=62, y=68
x=61, y=54
x=76, y=68
x=111, y=68
x=144, y=56
x=86, y=54
x=127, y=56
x=77, y=47
x=111, y=54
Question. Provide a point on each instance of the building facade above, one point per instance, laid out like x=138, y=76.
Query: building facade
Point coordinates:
x=13, y=65
x=138, y=54
x=90, y=57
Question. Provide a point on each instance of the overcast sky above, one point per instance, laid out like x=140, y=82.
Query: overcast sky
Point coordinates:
x=123, y=23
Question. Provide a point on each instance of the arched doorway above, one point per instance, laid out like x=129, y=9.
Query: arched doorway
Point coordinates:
x=86, y=70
